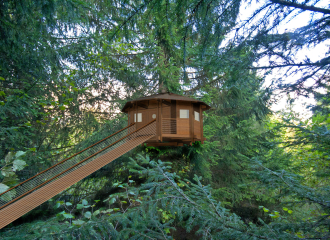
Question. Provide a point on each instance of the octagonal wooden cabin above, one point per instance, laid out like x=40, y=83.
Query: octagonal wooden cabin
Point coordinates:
x=179, y=119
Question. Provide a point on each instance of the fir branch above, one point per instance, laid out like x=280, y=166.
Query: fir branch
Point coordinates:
x=217, y=213
x=322, y=62
x=131, y=17
x=176, y=187
x=324, y=203
x=139, y=233
x=301, y=6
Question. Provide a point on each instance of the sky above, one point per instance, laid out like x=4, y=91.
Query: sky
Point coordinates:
x=313, y=53
x=316, y=53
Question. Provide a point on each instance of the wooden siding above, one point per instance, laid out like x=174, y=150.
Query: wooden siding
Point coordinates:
x=169, y=124
x=197, y=130
x=183, y=124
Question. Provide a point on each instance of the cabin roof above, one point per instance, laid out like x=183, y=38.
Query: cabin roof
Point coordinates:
x=165, y=96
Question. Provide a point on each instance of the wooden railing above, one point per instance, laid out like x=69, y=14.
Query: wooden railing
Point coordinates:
x=169, y=126
x=180, y=127
x=27, y=195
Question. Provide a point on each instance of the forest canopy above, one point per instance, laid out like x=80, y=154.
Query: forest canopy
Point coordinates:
x=67, y=67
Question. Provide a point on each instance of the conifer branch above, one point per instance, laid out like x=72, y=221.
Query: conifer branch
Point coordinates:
x=302, y=6
x=175, y=186
x=322, y=62
x=130, y=17
x=217, y=213
x=139, y=233
x=290, y=186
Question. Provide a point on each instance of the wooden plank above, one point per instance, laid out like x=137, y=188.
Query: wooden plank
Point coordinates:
x=140, y=104
x=146, y=117
x=167, y=103
x=166, y=111
x=150, y=113
x=191, y=118
x=173, y=116
x=41, y=195
x=153, y=104
x=176, y=136
x=182, y=126
x=182, y=123
x=197, y=132
x=136, y=115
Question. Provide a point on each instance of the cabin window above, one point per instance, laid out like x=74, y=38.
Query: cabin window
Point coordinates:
x=197, y=116
x=139, y=117
x=184, y=113
x=153, y=116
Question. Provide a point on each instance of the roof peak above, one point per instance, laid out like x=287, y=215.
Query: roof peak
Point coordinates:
x=158, y=95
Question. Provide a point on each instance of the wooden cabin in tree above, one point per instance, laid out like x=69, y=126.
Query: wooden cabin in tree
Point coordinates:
x=179, y=119
x=165, y=119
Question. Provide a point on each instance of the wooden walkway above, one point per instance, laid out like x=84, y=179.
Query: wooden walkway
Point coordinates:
x=25, y=204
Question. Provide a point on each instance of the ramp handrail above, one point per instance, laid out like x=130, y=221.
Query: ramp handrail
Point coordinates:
x=61, y=162
x=43, y=187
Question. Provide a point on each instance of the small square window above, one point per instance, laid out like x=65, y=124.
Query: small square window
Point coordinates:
x=197, y=116
x=184, y=113
x=139, y=118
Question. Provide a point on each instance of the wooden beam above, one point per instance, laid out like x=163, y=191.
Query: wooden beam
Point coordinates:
x=164, y=144
x=167, y=103
x=142, y=105
x=177, y=136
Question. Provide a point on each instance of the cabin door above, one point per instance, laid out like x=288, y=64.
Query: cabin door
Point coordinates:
x=182, y=115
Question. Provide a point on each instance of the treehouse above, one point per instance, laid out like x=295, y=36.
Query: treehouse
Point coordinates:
x=159, y=120
x=179, y=119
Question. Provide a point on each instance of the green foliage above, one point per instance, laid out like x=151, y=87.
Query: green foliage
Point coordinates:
x=236, y=131
x=67, y=67
x=156, y=208
x=9, y=167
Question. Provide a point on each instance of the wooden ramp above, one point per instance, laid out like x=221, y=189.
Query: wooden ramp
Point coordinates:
x=29, y=194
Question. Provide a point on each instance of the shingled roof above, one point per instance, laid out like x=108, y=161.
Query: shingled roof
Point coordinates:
x=165, y=96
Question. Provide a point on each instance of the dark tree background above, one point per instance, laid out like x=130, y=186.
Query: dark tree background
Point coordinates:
x=67, y=67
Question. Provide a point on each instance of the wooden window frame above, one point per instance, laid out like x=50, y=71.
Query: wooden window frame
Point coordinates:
x=197, y=114
x=186, y=114
x=138, y=117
